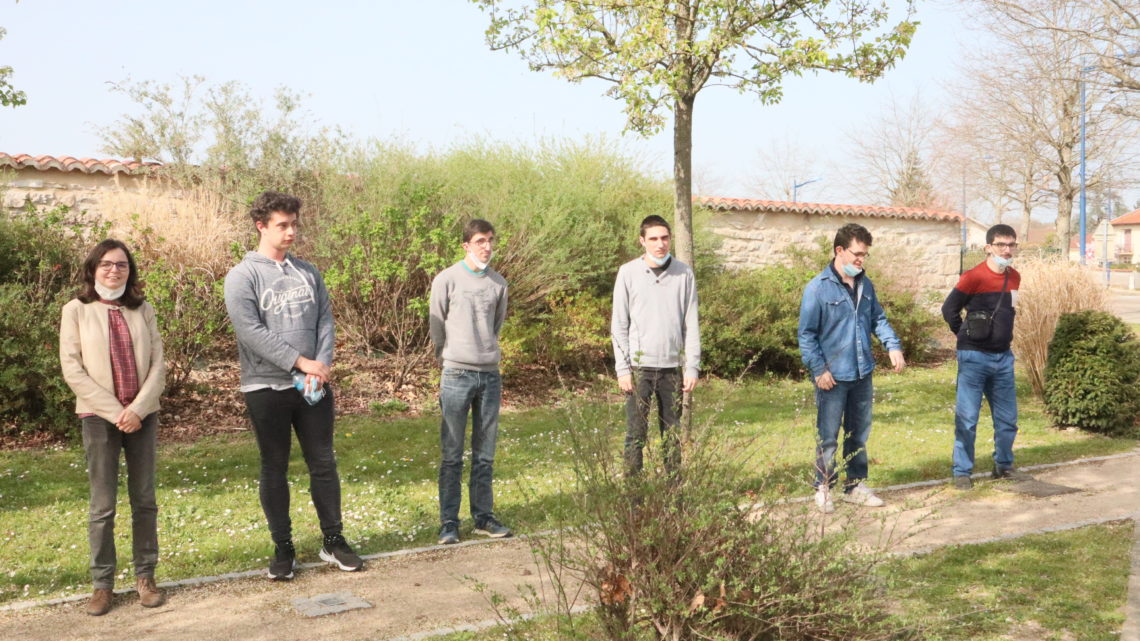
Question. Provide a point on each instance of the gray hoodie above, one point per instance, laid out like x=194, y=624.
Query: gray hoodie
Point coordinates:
x=279, y=311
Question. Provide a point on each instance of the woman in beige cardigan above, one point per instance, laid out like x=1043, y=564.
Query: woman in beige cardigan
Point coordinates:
x=111, y=355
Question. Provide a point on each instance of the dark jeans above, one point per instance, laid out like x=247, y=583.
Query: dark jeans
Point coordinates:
x=991, y=375
x=102, y=442
x=275, y=415
x=665, y=384
x=461, y=391
x=849, y=404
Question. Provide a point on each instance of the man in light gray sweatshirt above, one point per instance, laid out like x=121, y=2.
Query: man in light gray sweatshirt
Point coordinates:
x=655, y=334
x=467, y=310
x=283, y=321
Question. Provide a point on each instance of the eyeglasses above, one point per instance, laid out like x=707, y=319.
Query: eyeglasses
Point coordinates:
x=106, y=265
x=482, y=242
x=1004, y=245
x=860, y=254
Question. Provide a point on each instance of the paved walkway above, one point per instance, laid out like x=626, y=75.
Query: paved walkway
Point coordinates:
x=417, y=593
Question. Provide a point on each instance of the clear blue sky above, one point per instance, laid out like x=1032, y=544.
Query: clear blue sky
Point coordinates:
x=418, y=70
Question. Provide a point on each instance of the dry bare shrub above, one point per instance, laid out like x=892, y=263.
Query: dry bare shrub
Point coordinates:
x=193, y=227
x=1049, y=288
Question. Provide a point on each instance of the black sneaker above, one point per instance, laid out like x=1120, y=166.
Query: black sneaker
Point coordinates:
x=1010, y=473
x=449, y=534
x=338, y=552
x=492, y=528
x=284, y=560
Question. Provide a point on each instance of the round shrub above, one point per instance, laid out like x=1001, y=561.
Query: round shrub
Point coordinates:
x=1092, y=375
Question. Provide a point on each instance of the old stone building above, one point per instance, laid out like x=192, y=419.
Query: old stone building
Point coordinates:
x=918, y=246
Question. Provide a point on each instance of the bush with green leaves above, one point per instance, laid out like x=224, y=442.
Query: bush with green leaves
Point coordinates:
x=40, y=255
x=749, y=320
x=1092, y=376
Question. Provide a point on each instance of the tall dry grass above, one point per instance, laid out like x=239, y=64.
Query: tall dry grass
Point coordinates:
x=1049, y=288
x=192, y=227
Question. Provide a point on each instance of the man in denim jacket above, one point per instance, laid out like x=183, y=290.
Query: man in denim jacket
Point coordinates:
x=838, y=313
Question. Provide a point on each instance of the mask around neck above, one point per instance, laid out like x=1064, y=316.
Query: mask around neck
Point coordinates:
x=852, y=270
x=106, y=293
x=660, y=261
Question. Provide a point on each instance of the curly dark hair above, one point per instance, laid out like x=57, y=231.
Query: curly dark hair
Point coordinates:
x=271, y=201
x=133, y=297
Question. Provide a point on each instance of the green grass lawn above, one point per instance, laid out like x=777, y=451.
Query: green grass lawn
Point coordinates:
x=1037, y=587
x=210, y=520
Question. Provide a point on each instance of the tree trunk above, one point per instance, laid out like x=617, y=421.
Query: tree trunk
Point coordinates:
x=1027, y=210
x=683, y=221
x=683, y=179
x=1064, y=210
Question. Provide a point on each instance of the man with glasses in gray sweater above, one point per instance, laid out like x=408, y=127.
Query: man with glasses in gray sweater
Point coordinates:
x=467, y=309
x=657, y=342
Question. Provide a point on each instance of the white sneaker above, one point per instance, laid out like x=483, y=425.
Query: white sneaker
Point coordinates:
x=862, y=495
x=823, y=499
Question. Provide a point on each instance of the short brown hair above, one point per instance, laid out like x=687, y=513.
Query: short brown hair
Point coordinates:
x=476, y=226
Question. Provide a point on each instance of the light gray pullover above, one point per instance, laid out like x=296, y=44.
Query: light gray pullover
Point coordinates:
x=467, y=311
x=655, y=318
x=279, y=311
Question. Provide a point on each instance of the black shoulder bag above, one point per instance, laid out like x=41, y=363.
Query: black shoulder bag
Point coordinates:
x=980, y=323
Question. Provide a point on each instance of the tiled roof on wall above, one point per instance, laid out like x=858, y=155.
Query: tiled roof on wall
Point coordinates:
x=108, y=166
x=823, y=209
x=1132, y=218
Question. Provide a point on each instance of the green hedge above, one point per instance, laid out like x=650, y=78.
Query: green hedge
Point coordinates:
x=39, y=255
x=1092, y=376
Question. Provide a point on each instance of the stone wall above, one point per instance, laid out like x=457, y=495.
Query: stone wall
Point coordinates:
x=48, y=188
x=925, y=253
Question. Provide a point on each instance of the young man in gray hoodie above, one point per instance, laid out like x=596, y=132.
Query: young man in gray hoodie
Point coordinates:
x=283, y=320
x=467, y=310
x=656, y=335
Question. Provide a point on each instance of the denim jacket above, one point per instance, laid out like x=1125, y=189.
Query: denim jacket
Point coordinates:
x=835, y=334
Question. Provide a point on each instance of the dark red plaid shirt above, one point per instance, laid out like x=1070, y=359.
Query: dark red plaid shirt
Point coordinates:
x=123, y=370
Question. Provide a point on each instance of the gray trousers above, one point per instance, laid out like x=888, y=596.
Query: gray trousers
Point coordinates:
x=103, y=441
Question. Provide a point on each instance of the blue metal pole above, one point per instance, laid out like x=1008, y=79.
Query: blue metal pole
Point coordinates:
x=1083, y=213
x=1107, y=228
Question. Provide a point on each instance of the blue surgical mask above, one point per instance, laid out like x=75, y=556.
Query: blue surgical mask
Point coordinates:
x=1002, y=262
x=852, y=270
x=660, y=261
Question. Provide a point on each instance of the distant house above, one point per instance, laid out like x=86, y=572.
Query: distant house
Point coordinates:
x=921, y=246
x=976, y=233
x=1126, y=235
x=78, y=183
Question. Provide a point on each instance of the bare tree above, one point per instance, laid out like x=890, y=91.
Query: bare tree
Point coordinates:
x=1107, y=32
x=782, y=165
x=1028, y=93
x=895, y=158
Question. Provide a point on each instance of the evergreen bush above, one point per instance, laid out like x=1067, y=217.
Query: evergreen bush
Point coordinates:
x=40, y=255
x=1092, y=376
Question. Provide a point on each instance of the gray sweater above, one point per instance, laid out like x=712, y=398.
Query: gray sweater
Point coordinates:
x=467, y=312
x=279, y=311
x=655, y=318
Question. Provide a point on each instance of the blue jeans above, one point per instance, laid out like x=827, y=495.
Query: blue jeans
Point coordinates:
x=849, y=403
x=460, y=391
x=990, y=374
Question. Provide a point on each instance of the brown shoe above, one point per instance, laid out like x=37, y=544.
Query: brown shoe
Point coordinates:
x=100, y=602
x=149, y=594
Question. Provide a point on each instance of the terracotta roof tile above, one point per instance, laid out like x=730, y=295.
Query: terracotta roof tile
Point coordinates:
x=825, y=209
x=1131, y=218
x=108, y=166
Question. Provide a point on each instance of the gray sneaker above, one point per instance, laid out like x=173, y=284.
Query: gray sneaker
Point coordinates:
x=449, y=534
x=963, y=483
x=492, y=528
